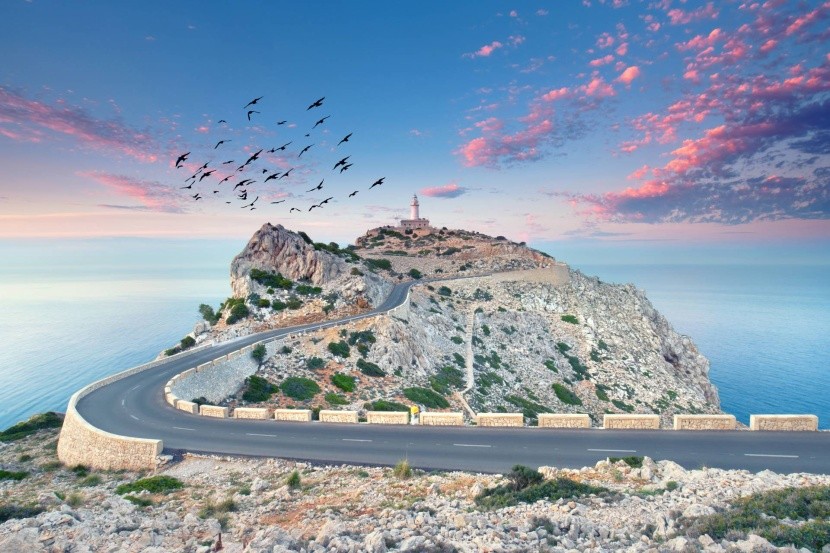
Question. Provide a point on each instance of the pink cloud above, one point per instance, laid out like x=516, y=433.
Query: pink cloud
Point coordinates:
x=514, y=13
x=486, y=50
x=152, y=196
x=491, y=124
x=556, y=94
x=605, y=40
x=622, y=49
x=639, y=173
x=629, y=75
x=523, y=145
x=809, y=18
x=601, y=61
x=542, y=12
x=700, y=42
x=450, y=190
x=30, y=118
x=516, y=40
x=597, y=88
x=680, y=17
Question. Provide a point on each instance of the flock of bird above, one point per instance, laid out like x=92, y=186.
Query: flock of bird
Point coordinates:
x=245, y=171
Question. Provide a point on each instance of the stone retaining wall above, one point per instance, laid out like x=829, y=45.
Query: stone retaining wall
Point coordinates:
x=704, y=422
x=338, y=416
x=387, y=417
x=260, y=413
x=214, y=411
x=293, y=415
x=631, y=422
x=550, y=420
x=442, y=419
x=791, y=423
x=500, y=419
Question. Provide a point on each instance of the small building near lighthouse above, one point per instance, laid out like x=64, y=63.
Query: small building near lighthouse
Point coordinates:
x=415, y=220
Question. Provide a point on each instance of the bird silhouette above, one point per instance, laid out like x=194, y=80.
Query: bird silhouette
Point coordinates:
x=250, y=112
x=284, y=146
x=312, y=207
x=251, y=204
x=318, y=187
x=225, y=179
x=316, y=104
x=353, y=193
x=221, y=142
x=377, y=182
x=264, y=171
x=273, y=176
x=340, y=163
x=242, y=183
x=180, y=159
x=293, y=209
x=215, y=191
x=221, y=121
x=207, y=174
x=286, y=173
x=345, y=139
x=199, y=170
x=227, y=162
x=326, y=201
x=253, y=102
x=321, y=121
x=196, y=197
x=281, y=122
x=279, y=202
x=307, y=135
x=189, y=186
x=253, y=157
x=304, y=150
x=346, y=167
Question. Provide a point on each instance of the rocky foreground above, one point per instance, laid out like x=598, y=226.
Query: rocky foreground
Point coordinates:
x=276, y=506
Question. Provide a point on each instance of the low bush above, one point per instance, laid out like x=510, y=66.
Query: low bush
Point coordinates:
x=278, y=305
x=602, y=392
x=622, y=406
x=285, y=350
x=208, y=313
x=13, y=475
x=89, y=481
x=187, y=342
x=375, y=264
x=336, y=399
x=551, y=365
x=9, y=511
x=444, y=291
x=306, y=290
x=529, y=409
x=457, y=340
x=403, y=469
x=315, y=363
x=362, y=337
x=459, y=360
x=344, y=381
x=415, y=273
x=299, y=388
x=632, y=461
x=565, y=395
x=215, y=510
x=153, y=484
x=294, y=303
x=272, y=280
x=386, y=405
x=238, y=312
x=201, y=400
x=258, y=353
x=369, y=369
x=448, y=377
x=426, y=397
x=527, y=486
x=258, y=389
x=293, y=481
x=340, y=349
x=570, y=319
x=37, y=422
x=139, y=501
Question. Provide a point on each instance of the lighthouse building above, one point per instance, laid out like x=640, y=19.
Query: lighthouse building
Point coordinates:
x=415, y=221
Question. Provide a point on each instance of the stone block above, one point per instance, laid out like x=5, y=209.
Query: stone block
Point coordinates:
x=441, y=419
x=783, y=423
x=204, y=366
x=214, y=411
x=233, y=355
x=171, y=398
x=500, y=419
x=187, y=407
x=251, y=413
x=338, y=416
x=293, y=415
x=704, y=422
x=564, y=420
x=631, y=422
x=387, y=417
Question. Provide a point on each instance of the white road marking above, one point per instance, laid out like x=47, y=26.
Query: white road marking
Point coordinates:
x=180, y=428
x=472, y=445
x=122, y=402
x=770, y=455
x=266, y=435
x=136, y=418
x=616, y=450
x=134, y=387
x=355, y=440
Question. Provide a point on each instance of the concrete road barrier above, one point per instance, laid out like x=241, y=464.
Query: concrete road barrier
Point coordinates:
x=564, y=420
x=705, y=422
x=259, y=413
x=500, y=419
x=442, y=419
x=387, y=417
x=783, y=423
x=214, y=411
x=338, y=416
x=293, y=415
x=187, y=407
x=631, y=422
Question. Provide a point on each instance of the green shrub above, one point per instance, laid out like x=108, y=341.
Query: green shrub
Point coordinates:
x=172, y=351
x=343, y=381
x=356, y=272
x=258, y=389
x=375, y=264
x=486, y=380
x=9, y=511
x=527, y=486
x=602, y=345
x=457, y=340
x=201, y=400
x=299, y=388
x=208, y=313
x=551, y=365
x=258, y=353
x=306, y=290
x=364, y=337
x=386, y=405
x=336, y=399
x=37, y=422
x=216, y=510
x=293, y=481
x=621, y=405
x=444, y=291
x=285, y=350
x=271, y=280
x=485, y=330
x=369, y=369
x=91, y=480
x=671, y=485
x=426, y=397
x=8, y=475
x=139, y=501
x=238, y=312
x=403, y=469
x=633, y=461
x=278, y=305
x=153, y=484
x=563, y=347
x=529, y=409
x=305, y=237
x=187, y=342
x=415, y=273
x=565, y=395
x=459, y=360
x=448, y=377
x=263, y=302
x=570, y=319
x=340, y=349
x=294, y=303
x=602, y=392
x=315, y=363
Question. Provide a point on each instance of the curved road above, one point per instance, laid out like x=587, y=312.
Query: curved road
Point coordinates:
x=135, y=406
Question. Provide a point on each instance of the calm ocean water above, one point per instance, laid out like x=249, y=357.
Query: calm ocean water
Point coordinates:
x=766, y=330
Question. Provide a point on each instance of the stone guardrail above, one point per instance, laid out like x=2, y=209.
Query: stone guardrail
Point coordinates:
x=338, y=416
x=293, y=415
x=438, y=418
x=387, y=417
x=556, y=420
x=500, y=419
x=631, y=422
x=791, y=423
x=705, y=422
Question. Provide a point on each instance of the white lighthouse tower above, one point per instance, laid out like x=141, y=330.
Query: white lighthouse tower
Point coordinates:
x=415, y=221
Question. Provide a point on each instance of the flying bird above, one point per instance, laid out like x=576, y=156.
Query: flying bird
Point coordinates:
x=221, y=121
x=279, y=202
x=318, y=187
x=321, y=121
x=284, y=146
x=377, y=182
x=346, y=167
x=273, y=176
x=227, y=162
x=293, y=209
x=326, y=201
x=215, y=191
x=340, y=163
x=250, y=112
x=189, y=186
x=304, y=150
x=225, y=179
x=251, y=204
x=254, y=157
x=181, y=159
x=312, y=207
x=281, y=122
x=207, y=174
x=242, y=183
x=286, y=173
x=253, y=102
x=316, y=104
x=345, y=139
x=220, y=143
x=264, y=171
x=353, y=193
x=196, y=197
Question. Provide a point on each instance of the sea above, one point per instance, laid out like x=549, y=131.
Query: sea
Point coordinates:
x=764, y=329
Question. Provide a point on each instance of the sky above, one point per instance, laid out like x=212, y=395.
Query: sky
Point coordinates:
x=661, y=128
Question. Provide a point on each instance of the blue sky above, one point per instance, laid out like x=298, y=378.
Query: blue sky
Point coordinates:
x=615, y=125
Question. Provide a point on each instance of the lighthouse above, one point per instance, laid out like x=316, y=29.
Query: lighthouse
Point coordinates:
x=415, y=221
x=413, y=207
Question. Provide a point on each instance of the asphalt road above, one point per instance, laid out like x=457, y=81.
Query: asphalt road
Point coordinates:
x=135, y=406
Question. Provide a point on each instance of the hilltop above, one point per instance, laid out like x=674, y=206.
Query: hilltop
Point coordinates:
x=506, y=328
